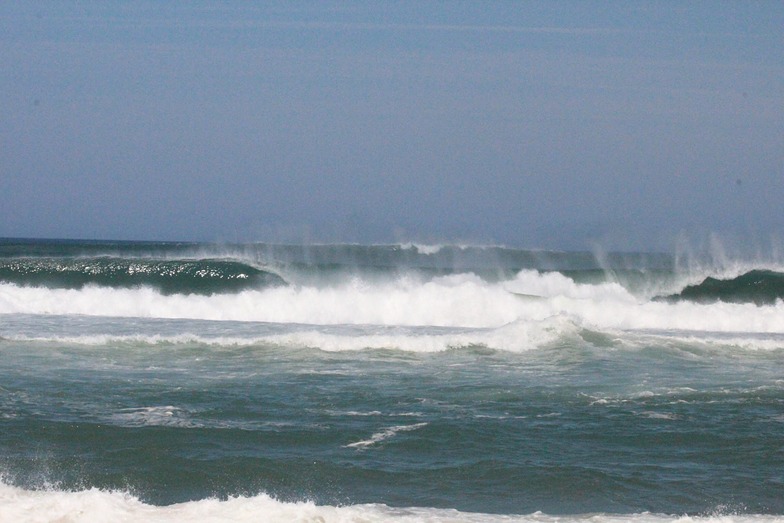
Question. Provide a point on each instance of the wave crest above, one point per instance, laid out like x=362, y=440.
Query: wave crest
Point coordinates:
x=199, y=276
x=761, y=287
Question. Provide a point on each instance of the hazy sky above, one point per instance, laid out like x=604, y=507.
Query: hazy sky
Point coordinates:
x=533, y=124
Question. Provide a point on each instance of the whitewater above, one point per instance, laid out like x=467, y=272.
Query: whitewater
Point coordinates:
x=162, y=381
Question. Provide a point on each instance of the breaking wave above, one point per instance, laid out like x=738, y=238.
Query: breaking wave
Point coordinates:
x=462, y=300
x=22, y=505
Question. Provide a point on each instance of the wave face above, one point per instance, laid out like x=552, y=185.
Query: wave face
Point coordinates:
x=167, y=276
x=761, y=287
x=168, y=381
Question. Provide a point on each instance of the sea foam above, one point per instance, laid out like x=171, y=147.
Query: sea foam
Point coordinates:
x=459, y=301
x=93, y=505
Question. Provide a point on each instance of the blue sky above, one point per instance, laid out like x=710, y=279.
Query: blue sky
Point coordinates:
x=533, y=124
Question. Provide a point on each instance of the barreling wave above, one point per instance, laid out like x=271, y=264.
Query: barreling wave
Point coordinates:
x=761, y=287
x=197, y=276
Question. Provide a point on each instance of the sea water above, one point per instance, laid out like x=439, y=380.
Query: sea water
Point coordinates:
x=166, y=381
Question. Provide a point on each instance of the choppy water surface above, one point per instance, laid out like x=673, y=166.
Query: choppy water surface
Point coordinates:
x=367, y=383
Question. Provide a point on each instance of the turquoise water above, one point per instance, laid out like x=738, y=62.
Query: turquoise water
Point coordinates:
x=447, y=383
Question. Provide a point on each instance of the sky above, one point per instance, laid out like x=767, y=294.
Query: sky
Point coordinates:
x=553, y=125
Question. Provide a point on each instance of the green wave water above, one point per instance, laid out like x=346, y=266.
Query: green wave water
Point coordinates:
x=203, y=276
x=563, y=430
x=761, y=287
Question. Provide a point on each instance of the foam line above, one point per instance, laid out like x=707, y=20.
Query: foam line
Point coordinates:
x=462, y=300
x=387, y=433
x=27, y=506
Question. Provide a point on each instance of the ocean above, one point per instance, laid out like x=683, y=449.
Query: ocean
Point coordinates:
x=148, y=381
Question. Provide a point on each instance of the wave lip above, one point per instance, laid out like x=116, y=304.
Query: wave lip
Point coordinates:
x=197, y=276
x=758, y=286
